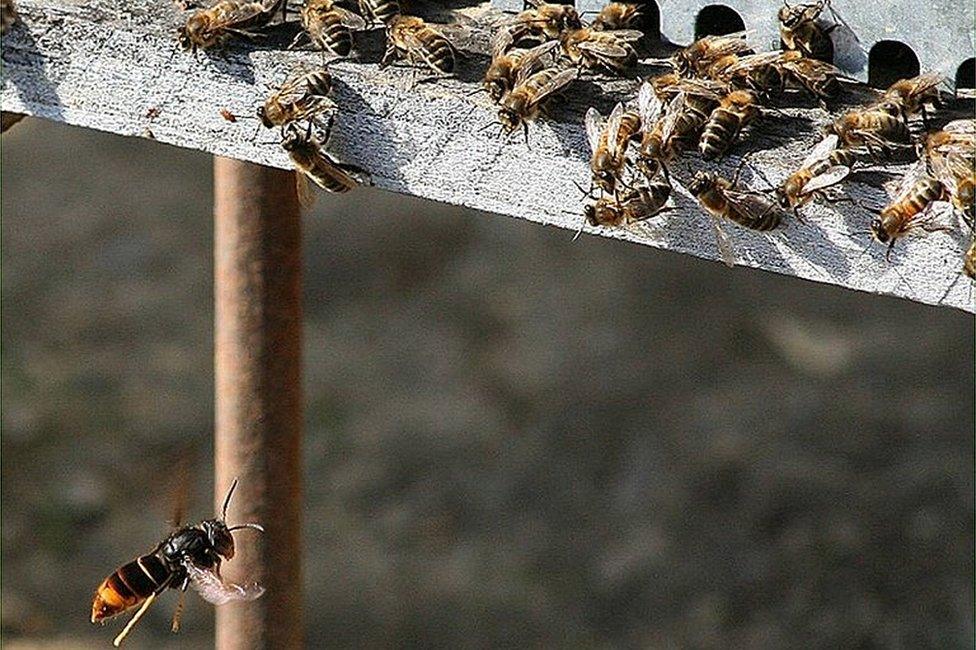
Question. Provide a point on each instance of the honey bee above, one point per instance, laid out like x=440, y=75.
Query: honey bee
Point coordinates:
x=505, y=64
x=609, y=144
x=816, y=77
x=313, y=163
x=189, y=556
x=303, y=97
x=697, y=58
x=328, y=26
x=209, y=27
x=908, y=97
x=757, y=72
x=531, y=91
x=734, y=112
x=951, y=157
x=918, y=191
x=379, y=12
x=824, y=167
x=8, y=15
x=635, y=205
x=618, y=15
x=410, y=38
x=871, y=127
x=592, y=49
x=722, y=201
x=544, y=21
x=657, y=126
x=801, y=30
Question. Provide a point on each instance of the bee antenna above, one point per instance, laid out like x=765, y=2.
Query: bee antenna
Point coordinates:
x=579, y=231
x=230, y=493
x=257, y=527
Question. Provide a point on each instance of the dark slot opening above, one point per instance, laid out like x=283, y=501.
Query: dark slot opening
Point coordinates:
x=890, y=61
x=652, y=20
x=716, y=20
x=966, y=74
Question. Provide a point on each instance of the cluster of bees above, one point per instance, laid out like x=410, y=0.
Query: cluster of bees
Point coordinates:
x=714, y=94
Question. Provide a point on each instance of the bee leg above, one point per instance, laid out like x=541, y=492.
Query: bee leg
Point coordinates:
x=178, y=612
x=388, y=56
x=525, y=132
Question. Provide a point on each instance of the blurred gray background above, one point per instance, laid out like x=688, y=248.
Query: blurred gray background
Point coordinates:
x=513, y=439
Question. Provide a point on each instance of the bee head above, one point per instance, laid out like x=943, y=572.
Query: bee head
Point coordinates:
x=218, y=534
x=606, y=180
x=509, y=118
x=196, y=32
x=878, y=230
x=589, y=211
x=263, y=116
x=701, y=183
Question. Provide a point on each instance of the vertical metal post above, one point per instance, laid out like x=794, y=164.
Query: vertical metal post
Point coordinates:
x=258, y=314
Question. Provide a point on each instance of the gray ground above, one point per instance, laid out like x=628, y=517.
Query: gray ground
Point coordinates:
x=513, y=439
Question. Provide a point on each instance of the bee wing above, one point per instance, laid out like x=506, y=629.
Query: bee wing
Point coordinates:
x=245, y=14
x=501, y=43
x=702, y=88
x=832, y=176
x=306, y=196
x=648, y=105
x=755, y=206
x=821, y=151
x=961, y=126
x=917, y=172
x=604, y=47
x=613, y=127
x=532, y=59
x=751, y=61
x=627, y=34
x=723, y=242
x=212, y=589
x=554, y=85
x=952, y=168
x=350, y=19
x=926, y=82
x=592, y=122
x=675, y=108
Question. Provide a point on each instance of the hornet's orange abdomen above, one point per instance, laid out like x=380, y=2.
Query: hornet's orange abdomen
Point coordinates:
x=128, y=586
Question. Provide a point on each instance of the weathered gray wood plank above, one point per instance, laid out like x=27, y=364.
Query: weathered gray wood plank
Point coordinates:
x=115, y=67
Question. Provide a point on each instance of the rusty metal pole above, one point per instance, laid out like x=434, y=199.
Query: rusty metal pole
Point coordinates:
x=257, y=329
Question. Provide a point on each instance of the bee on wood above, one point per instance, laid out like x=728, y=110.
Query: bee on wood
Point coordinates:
x=529, y=95
x=379, y=12
x=735, y=111
x=870, y=127
x=304, y=97
x=908, y=97
x=697, y=58
x=826, y=166
x=410, y=38
x=189, y=556
x=722, y=201
x=609, y=144
x=209, y=27
x=314, y=164
x=950, y=155
x=634, y=205
x=816, y=77
x=543, y=21
x=592, y=49
x=757, y=72
x=656, y=147
x=505, y=64
x=801, y=30
x=328, y=26
x=8, y=15
x=618, y=15
x=918, y=191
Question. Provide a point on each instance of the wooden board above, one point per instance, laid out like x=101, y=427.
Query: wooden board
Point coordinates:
x=116, y=66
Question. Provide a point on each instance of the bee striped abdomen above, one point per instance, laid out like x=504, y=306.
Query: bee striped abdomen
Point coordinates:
x=720, y=130
x=440, y=54
x=382, y=11
x=335, y=36
x=131, y=584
